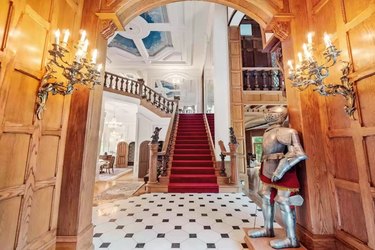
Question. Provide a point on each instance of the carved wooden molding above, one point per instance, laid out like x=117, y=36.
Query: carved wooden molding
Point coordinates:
x=108, y=28
x=280, y=25
x=281, y=29
x=109, y=24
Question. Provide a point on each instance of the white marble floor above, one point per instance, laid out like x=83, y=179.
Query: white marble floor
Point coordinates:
x=162, y=221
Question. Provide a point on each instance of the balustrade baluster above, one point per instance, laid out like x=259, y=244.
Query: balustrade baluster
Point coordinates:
x=281, y=82
x=122, y=84
x=116, y=82
x=256, y=74
x=264, y=78
x=106, y=80
x=126, y=85
x=131, y=87
x=136, y=88
x=171, y=111
x=149, y=95
x=164, y=109
x=110, y=81
x=248, y=74
x=269, y=80
x=159, y=101
x=154, y=101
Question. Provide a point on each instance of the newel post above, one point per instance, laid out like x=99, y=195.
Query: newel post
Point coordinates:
x=153, y=162
x=233, y=145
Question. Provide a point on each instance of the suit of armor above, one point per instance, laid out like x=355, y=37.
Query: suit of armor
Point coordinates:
x=282, y=150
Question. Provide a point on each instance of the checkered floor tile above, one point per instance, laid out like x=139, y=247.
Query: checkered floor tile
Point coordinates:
x=176, y=221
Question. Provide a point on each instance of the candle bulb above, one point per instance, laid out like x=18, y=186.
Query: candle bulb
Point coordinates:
x=57, y=36
x=78, y=55
x=306, y=52
x=309, y=38
x=84, y=48
x=83, y=36
x=66, y=37
x=327, y=40
x=290, y=64
x=300, y=59
x=94, y=56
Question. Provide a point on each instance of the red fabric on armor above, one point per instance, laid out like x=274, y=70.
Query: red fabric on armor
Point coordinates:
x=289, y=179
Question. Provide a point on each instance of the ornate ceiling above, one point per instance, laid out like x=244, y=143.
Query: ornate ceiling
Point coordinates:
x=171, y=35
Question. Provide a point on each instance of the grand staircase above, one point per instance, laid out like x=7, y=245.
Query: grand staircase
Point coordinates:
x=192, y=168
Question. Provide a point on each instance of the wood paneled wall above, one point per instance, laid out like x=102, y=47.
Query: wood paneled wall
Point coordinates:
x=350, y=144
x=339, y=174
x=32, y=151
x=236, y=102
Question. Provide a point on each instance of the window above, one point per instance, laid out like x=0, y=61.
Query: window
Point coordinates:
x=246, y=30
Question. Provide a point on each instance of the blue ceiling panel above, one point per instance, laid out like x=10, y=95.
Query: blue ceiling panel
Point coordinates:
x=157, y=41
x=124, y=43
x=157, y=15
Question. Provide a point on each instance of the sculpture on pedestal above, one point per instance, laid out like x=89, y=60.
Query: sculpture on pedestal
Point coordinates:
x=155, y=136
x=282, y=150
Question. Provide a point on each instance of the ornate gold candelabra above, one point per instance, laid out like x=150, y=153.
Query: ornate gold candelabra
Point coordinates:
x=80, y=71
x=308, y=72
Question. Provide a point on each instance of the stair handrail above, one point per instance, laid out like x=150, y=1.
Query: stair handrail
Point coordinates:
x=138, y=89
x=210, y=141
x=168, y=142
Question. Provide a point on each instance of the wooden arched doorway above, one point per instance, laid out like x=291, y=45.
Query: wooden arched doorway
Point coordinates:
x=131, y=153
x=144, y=155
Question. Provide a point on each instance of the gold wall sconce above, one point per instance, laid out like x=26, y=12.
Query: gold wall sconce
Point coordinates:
x=308, y=72
x=79, y=71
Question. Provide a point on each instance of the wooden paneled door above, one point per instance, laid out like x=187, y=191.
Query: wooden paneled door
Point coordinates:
x=31, y=151
x=144, y=158
x=122, y=155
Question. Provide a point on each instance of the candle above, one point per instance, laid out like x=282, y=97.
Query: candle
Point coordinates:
x=57, y=36
x=300, y=59
x=79, y=55
x=85, y=46
x=306, y=51
x=327, y=40
x=66, y=37
x=309, y=38
x=94, y=56
x=83, y=36
x=290, y=64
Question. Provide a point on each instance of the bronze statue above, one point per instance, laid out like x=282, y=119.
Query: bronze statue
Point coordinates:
x=155, y=136
x=282, y=150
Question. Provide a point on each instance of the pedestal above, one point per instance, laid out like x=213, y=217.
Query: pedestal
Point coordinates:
x=264, y=243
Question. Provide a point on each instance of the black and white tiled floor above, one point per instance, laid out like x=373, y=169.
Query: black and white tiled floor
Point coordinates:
x=176, y=221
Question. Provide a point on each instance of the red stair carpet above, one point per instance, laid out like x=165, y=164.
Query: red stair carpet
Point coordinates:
x=192, y=166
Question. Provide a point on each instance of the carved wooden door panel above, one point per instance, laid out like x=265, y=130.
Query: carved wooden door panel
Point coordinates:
x=31, y=151
x=144, y=157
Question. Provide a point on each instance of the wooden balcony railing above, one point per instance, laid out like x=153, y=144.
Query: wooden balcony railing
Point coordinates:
x=139, y=90
x=264, y=79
